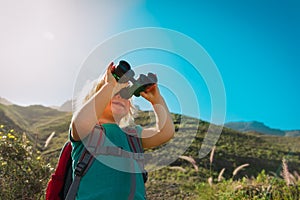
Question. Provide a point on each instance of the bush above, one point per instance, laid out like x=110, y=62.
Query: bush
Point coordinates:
x=23, y=174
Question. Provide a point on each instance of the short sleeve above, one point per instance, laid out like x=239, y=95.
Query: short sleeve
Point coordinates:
x=139, y=130
x=70, y=135
x=77, y=146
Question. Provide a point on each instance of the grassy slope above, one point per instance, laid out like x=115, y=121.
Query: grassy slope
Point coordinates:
x=232, y=149
x=180, y=180
x=38, y=122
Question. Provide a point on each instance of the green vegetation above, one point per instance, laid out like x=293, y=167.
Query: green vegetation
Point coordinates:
x=241, y=165
x=38, y=122
x=23, y=173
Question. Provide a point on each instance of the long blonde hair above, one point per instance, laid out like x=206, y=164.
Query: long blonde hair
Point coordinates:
x=90, y=89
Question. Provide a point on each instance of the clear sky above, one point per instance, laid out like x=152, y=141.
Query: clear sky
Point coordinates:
x=254, y=44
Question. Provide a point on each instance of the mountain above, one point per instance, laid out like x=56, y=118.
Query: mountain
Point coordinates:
x=263, y=152
x=293, y=133
x=65, y=107
x=259, y=127
x=233, y=148
x=5, y=101
x=37, y=121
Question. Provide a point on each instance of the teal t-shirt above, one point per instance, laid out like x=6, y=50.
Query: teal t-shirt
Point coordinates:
x=109, y=177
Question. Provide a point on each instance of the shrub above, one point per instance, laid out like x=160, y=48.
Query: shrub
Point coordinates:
x=23, y=174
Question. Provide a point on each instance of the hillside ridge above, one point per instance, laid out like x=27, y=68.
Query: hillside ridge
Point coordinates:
x=259, y=127
x=233, y=148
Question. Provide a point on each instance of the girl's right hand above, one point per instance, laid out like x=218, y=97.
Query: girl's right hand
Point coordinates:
x=109, y=78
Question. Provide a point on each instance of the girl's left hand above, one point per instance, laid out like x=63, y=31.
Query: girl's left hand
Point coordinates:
x=152, y=94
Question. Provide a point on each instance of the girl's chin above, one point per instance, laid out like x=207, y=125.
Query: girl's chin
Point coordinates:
x=119, y=113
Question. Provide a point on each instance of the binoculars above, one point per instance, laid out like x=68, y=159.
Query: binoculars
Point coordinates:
x=123, y=73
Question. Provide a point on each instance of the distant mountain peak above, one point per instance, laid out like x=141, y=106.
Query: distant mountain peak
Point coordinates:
x=65, y=107
x=257, y=122
x=5, y=101
x=256, y=126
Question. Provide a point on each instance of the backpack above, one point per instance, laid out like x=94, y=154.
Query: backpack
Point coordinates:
x=61, y=184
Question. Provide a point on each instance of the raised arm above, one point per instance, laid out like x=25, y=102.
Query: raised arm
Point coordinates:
x=164, y=130
x=88, y=115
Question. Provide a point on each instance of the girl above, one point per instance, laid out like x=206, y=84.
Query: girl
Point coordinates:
x=105, y=106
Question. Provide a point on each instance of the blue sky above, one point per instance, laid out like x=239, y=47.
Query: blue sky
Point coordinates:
x=254, y=44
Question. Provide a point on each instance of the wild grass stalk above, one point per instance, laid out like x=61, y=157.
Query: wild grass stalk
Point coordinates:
x=287, y=176
x=210, y=181
x=234, y=173
x=220, y=176
x=49, y=139
x=211, y=158
x=177, y=168
x=190, y=160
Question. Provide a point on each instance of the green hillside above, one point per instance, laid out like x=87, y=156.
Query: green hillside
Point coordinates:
x=183, y=179
x=38, y=122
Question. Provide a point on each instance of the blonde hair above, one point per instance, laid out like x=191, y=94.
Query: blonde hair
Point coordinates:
x=90, y=89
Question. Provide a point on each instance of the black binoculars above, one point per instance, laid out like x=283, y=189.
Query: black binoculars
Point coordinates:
x=123, y=73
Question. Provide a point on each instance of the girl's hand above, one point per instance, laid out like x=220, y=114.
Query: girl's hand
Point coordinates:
x=109, y=78
x=152, y=94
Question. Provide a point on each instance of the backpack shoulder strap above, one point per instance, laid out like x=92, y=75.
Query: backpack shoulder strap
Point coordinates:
x=68, y=169
x=86, y=159
x=134, y=140
x=135, y=143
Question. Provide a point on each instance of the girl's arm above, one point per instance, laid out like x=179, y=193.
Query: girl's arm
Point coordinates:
x=87, y=116
x=164, y=130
